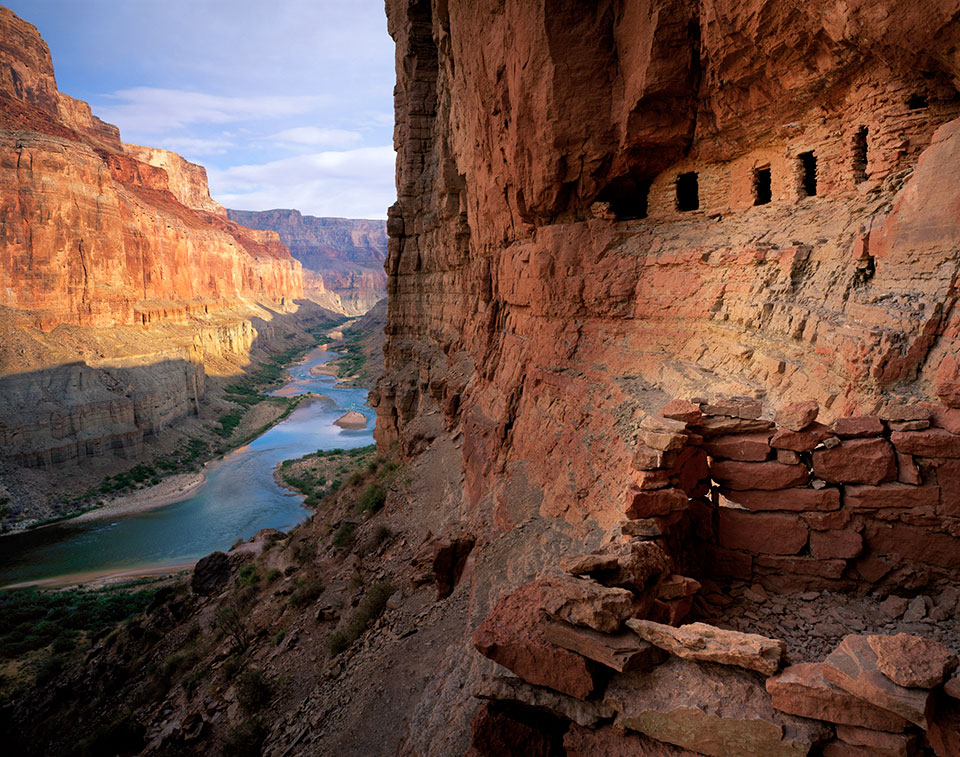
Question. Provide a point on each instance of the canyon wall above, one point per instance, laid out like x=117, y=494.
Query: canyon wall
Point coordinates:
x=123, y=285
x=342, y=258
x=96, y=232
x=604, y=208
x=552, y=278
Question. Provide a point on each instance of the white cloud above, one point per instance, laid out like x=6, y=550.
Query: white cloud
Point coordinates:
x=152, y=110
x=195, y=145
x=353, y=183
x=314, y=136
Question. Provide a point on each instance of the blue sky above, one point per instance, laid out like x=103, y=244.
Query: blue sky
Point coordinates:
x=289, y=103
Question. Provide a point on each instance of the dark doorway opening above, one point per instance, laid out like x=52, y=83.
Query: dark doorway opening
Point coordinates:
x=916, y=102
x=860, y=155
x=688, y=191
x=628, y=197
x=808, y=174
x=762, y=187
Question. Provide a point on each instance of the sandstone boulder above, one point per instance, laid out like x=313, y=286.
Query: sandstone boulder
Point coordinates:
x=710, y=709
x=913, y=661
x=734, y=407
x=610, y=741
x=642, y=503
x=798, y=415
x=351, y=420
x=794, y=500
x=858, y=427
x=803, y=690
x=879, y=743
x=744, y=447
x=210, y=574
x=853, y=666
x=857, y=461
x=584, y=602
x=700, y=641
x=621, y=651
x=635, y=565
x=512, y=636
x=932, y=442
x=507, y=689
x=766, y=476
x=681, y=410
x=764, y=533
x=802, y=441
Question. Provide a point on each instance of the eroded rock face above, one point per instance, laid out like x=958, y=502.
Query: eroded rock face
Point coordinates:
x=342, y=258
x=124, y=239
x=510, y=294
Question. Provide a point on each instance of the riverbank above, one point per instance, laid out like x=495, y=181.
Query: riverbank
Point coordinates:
x=99, y=579
x=170, y=490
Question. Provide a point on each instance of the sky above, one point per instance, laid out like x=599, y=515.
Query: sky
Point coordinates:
x=288, y=103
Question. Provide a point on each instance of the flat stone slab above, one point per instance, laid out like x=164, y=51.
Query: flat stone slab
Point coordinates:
x=619, y=651
x=803, y=690
x=700, y=641
x=711, y=709
x=505, y=688
x=913, y=661
x=853, y=666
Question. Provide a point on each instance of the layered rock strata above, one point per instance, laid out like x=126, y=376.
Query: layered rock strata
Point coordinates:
x=342, y=258
x=547, y=271
x=122, y=283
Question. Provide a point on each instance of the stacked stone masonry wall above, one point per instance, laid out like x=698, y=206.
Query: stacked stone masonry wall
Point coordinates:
x=797, y=505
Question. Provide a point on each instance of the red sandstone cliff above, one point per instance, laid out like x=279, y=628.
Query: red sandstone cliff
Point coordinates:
x=342, y=258
x=99, y=233
x=544, y=283
x=123, y=285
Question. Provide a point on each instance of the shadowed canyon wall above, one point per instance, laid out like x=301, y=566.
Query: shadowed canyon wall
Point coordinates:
x=342, y=258
x=122, y=283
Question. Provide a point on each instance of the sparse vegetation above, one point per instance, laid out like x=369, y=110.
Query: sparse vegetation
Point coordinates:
x=31, y=619
x=344, y=535
x=306, y=592
x=369, y=609
x=229, y=620
x=372, y=499
x=248, y=576
x=245, y=739
x=253, y=690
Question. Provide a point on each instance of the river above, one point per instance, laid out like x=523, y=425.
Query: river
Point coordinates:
x=238, y=498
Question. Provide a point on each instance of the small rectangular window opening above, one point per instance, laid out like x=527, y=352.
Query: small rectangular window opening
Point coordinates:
x=917, y=102
x=762, y=189
x=808, y=174
x=688, y=192
x=860, y=155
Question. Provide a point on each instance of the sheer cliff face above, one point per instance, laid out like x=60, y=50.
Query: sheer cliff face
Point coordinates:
x=96, y=232
x=551, y=274
x=342, y=258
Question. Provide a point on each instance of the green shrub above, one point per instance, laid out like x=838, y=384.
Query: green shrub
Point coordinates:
x=248, y=576
x=369, y=609
x=382, y=534
x=356, y=478
x=306, y=593
x=344, y=535
x=253, y=690
x=273, y=575
x=372, y=499
x=245, y=740
x=281, y=635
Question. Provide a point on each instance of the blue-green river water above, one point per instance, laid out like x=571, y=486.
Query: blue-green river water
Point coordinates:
x=238, y=498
